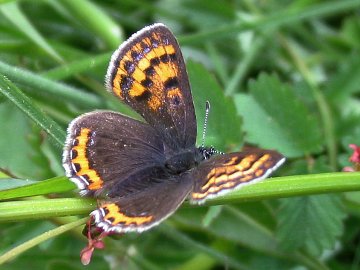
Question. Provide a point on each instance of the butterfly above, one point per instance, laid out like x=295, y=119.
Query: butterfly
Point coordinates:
x=142, y=171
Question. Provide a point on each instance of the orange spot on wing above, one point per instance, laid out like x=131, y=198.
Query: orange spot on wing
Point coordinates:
x=95, y=182
x=116, y=83
x=166, y=71
x=143, y=64
x=136, y=90
x=154, y=103
x=174, y=93
x=138, y=74
x=115, y=216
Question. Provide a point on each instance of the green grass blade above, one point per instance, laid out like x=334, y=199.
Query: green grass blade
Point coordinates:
x=18, y=75
x=53, y=185
x=12, y=12
x=186, y=240
x=96, y=21
x=77, y=67
x=277, y=19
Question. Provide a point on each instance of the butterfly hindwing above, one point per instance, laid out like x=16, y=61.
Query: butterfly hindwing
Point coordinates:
x=143, y=209
x=148, y=73
x=223, y=173
x=105, y=150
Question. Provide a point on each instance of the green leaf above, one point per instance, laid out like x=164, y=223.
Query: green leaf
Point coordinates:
x=312, y=222
x=224, y=125
x=14, y=144
x=19, y=140
x=346, y=81
x=36, y=141
x=11, y=183
x=351, y=31
x=275, y=118
x=25, y=104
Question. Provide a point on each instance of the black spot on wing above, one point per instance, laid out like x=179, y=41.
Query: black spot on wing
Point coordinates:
x=129, y=67
x=154, y=61
x=171, y=83
x=126, y=83
x=147, y=83
x=144, y=96
x=150, y=71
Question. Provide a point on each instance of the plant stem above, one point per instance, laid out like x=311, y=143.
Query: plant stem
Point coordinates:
x=290, y=186
x=280, y=187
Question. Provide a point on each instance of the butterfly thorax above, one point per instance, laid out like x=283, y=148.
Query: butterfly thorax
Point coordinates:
x=188, y=159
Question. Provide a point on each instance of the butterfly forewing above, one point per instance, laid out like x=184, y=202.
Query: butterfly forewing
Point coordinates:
x=148, y=73
x=105, y=150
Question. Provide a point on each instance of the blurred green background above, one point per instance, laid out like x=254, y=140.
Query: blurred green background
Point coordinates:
x=282, y=75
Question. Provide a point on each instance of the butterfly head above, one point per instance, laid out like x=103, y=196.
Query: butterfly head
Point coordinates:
x=207, y=152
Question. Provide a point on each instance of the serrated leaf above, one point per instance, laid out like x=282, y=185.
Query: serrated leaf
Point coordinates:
x=224, y=125
x=312, y=222
x=275, y=118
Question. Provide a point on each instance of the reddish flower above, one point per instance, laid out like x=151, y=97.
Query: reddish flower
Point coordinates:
x=355, y=158
x=87, y=252
x=93, y=243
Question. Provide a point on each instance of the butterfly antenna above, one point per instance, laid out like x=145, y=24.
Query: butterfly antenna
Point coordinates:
x=207, y=110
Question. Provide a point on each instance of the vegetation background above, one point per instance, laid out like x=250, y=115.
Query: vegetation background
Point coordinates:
x=282, y=75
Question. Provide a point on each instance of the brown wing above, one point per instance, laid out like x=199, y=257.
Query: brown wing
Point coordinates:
x=148, y=73
x=144, y=209
x=224, y=173
x=107, y=153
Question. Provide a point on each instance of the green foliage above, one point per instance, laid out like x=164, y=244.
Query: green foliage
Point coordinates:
x=313, y=223
x=272, y=108
x=281, y=75
x=219, y=133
